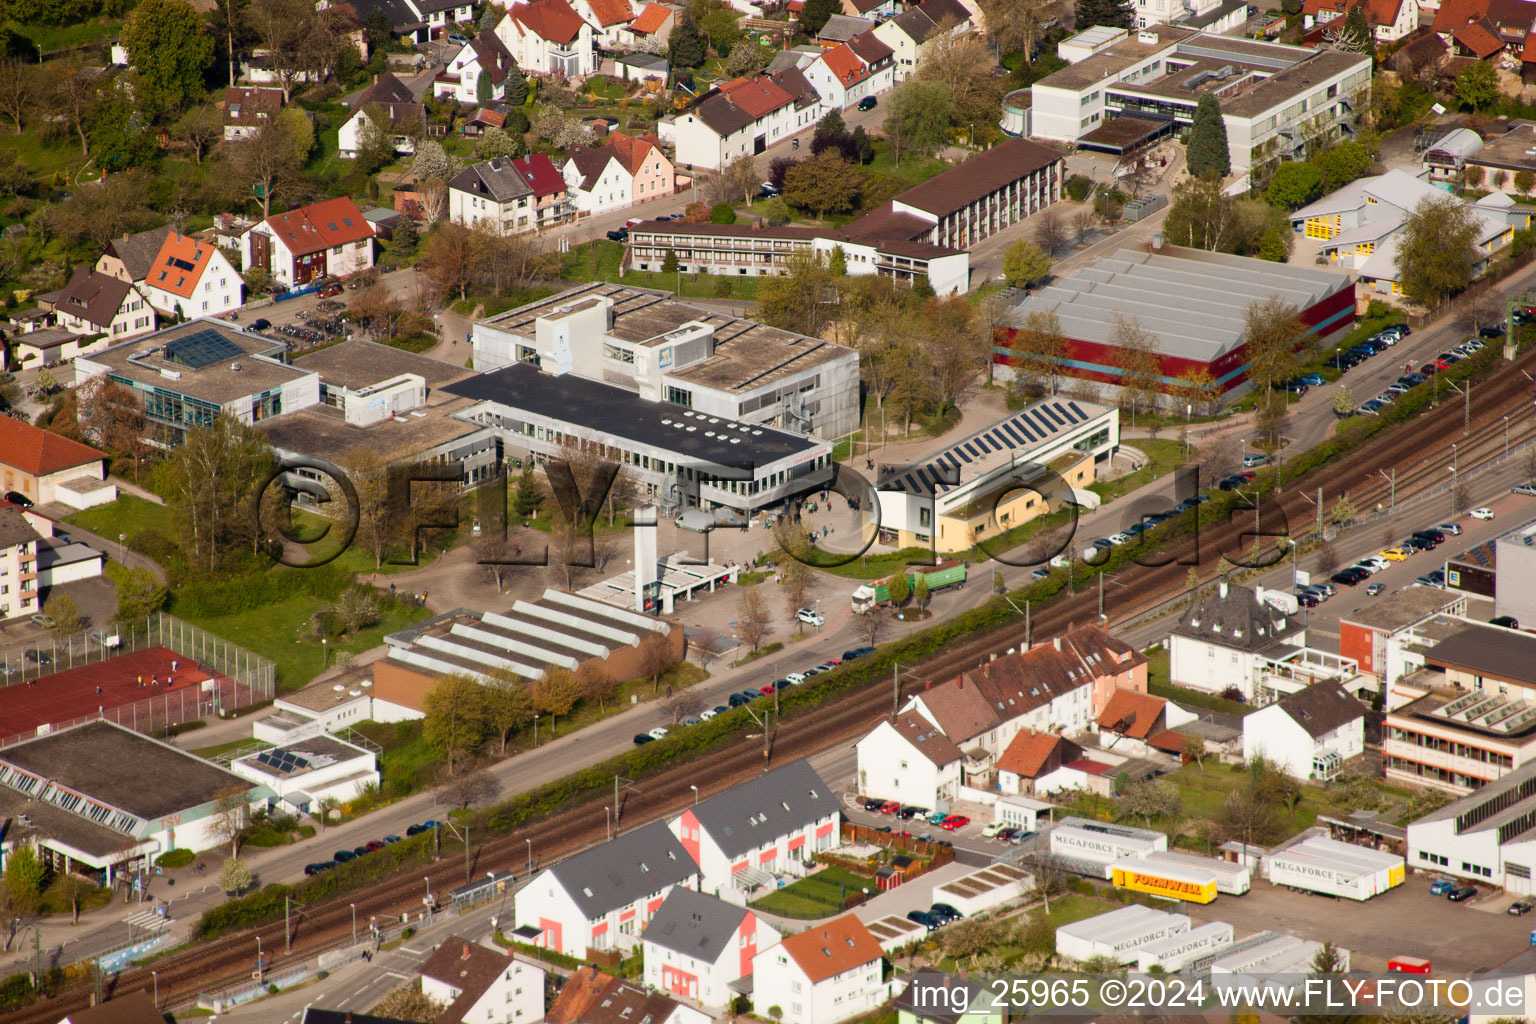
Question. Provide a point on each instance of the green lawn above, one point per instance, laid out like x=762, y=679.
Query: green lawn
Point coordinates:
x=127, y=515
x=60, y=37
x=1202, y=793
x=1163, y=457
x=820, y=895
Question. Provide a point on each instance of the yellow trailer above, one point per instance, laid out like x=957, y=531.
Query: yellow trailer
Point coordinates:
x=1179, y=883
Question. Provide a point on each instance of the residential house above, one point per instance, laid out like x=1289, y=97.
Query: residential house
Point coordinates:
x=760, y=828
x=877, y=9
x=602, y=898
x=1139, y=724
x=1479, y=40
x=440, y=15
x=827, y=973
x=1032, y=755
x=551, y=195
x=624, y=171
x=47, y=467
x=129, y=258
x=608, y=18
x=744, y=117
x=1390, y=20
x=697, y=945
x=642, y=67
x=192, y=278
x=484, y=56
x=847, y=73
x=416, y=21
x=326, y=239
x=931, y=997
x=592, y=997
x=18, y=561
x=522, y=194
x=655, y=21
x=477, y=985
x=1310, y=734
x=840, y=28
x=908, y=759
x=912, y=33
x=93, y=303
x=1501, y=26
x=246, y=108
x=548, y=37
x=1227, y=639
x=387, y=99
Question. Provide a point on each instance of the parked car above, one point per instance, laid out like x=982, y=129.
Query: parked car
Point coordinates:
x=391, y=839
x=767, y=691
x=342, y=856
x=938, y=817
x=1526, y=489
x=1441, y=886
x=658, y=732
x=376, y=845
x=1432, y=579
x=1374, y=589
x=873, y=805
x=1484, y=513
x=867, y=103
x=991, y=829
x=1507, y=621
x=1306, y=600
x=619, y=235
x=736, y=700
x=1255, y=459
x=1315, y=380
x=1348, y=577
x=954, y=823
x=1520, y=907
x=857, y=652
x=1461, y=893
x=925, y=919
x=315, y=869
x=908, y=813
x=1394, y=554
x=810, y=617
x=890, y=807
x=945, y=911
x=1491, y=332
x=1295, y=387
x=18, y=499
x=643, y=738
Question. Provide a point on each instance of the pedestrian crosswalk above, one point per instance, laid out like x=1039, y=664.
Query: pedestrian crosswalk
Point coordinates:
x=147, y=919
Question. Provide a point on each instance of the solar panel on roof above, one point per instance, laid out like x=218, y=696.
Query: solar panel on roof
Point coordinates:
x=967, y=448
x=1013, y=431
x=1045, y=424
x=201, y=349
x=1053, y=414
x=1074, y=408
x=964, y=456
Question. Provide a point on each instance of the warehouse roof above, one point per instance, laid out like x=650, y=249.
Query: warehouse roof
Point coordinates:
x=1194, y=303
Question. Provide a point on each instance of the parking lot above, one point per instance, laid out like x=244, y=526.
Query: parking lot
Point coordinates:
x=1464, y=936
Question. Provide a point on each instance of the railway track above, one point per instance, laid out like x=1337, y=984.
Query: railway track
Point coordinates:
x=1420, y=451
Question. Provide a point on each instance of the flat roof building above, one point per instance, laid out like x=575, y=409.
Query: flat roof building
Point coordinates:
x=1192, y=303
x=1275, y=99
x=1488, y=836
x=190, y=374
x=1371, y=633
x=87, y=810
x=980, y=487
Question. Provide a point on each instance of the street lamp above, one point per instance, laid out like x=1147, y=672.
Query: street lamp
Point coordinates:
x=157, y=988
x=325, y=654
x=695, y=795
x=608, y=821
x=530, y=853
x=535, y=728
x=1506, y=437
x=1452, y=470
x=354, y=922
x=122, y=540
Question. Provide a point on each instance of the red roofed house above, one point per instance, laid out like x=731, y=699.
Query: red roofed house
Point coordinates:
x=1507, y=21
x=1131, y=721
x=329, y=238
x=1029, y=756
x=653, y=20
x=548, y=37
x=827, y=973
x=475, y=983
x=1390, y=20
x=622, y=172
x=744, y=117
x=1479, y=39
x=845, y=74
x=192, y=278
x=608, y=18
x=47, y=467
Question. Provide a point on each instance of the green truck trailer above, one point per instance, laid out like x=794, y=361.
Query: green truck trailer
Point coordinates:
x=946, y=574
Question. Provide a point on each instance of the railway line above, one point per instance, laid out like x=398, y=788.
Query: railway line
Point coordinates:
x=1419, y=450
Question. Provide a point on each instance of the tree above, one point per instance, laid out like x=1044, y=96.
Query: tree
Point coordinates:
x=899, y=587
x=1341, y=163
x=499, y=143
x=1201, y=217
x=597, y=684
x=870, y=625
x=795, y=575
x=1343, y=401
x=1294, y=184
x=815, y=14
x=686, y=48
x=920, y=117
x=751, y=617
x=516, y=90
x=1328, y=960
x=1477, y=85
x=1024, y=264
x=1050, y=230
x=555, y=693
x=722, y=213
x=1147, y=800
x=25, y=874
x=1207, y=152
x=653, y=657
x=450, y=259
x=795, y=301
x=1039, y=348
x=1438, y=252
x=920, y=592
x=1194, y=746
x=73, y=97
x=1344, y=511
x=408, y=1003
x=742, y=172
x=406, y=238
x=227, y=819
x=212, y=477
x=171, y=50
x=1198, y=389
x=1525, y=181
x=825, y=184
x=269, y=160
x=463, y=791
x=1140, y=367
x=455, y=723
x=508, y=704
x=830, y=129
x=1272, y=329
x=234, y=876
x=1111, y=13
x=20, y=89
x=1353, y=34
x=1247, y=819
x=139, y=593
x=200, y=128
x=65, y=614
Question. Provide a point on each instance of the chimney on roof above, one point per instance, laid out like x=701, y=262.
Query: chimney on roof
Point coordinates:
x=960, y=683
x=465, y=954
x=1057, y=642
x=1222, y=589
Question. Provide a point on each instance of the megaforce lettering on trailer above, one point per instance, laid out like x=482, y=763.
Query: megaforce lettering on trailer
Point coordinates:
x=1327, y=874
x=1085, y=844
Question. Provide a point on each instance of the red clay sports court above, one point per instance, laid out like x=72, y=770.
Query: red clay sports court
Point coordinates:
x=71, y=695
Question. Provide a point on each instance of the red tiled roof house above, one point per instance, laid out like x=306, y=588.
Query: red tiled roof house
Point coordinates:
x=330, y=238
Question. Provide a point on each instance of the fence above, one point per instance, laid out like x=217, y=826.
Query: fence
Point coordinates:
x=935, y=854
x=242, y=678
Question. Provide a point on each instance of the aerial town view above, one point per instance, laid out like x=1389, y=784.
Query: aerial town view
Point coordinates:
x=792, y=511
